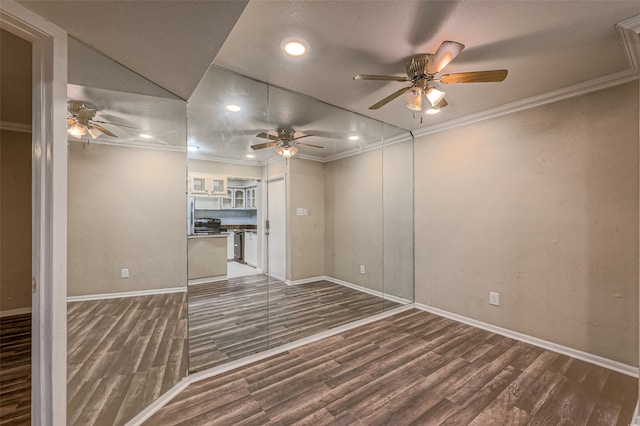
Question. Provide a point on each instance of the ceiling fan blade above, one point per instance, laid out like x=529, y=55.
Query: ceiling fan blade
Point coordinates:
x=390, y=98
x=103, y=130
x=116, y=124
x=474, y=77
x=309, y=144
x=302, y=136
x=380, y=77
x=267, y=136
x=445, y=54
x=264, y=145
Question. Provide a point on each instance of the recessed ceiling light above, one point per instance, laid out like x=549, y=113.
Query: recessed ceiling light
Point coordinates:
x=193, y=148
x=294, y=46
x=145, y=136
x=432, y=111
x=354, y=138
x=234, y=108
x=250, y=156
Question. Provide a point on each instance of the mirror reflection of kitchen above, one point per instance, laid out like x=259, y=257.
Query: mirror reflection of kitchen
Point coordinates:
x=222, y=223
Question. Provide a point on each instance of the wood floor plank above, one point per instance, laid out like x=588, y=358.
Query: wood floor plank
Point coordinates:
x=237, y=317
x=122, y=354
x=399, y=371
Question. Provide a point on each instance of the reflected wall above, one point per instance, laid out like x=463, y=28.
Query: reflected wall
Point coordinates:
x=126, y=238
x=334, y=222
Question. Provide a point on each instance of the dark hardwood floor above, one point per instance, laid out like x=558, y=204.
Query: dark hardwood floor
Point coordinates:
x=122, y=355
x=237, y=317
x=411, y=368
x=15, y=370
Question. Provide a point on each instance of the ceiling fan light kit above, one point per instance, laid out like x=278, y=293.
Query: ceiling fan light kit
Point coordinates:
x=81, y=121
x=286, y=151
x=284, y=140
x=421, y=72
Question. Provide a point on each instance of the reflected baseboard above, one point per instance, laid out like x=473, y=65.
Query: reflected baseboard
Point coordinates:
x=197, y=281
x=125, y=294
x=357, y=287
x=13, y=312
x=220, y=369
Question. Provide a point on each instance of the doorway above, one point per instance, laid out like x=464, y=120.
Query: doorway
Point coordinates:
x=276, y=240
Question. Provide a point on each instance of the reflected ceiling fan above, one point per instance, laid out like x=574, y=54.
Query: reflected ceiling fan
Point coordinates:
x=421, y=73
x=81, y=121
x=285, y=141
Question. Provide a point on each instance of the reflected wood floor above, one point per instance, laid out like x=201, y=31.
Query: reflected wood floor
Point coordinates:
x=122, y=354
x=237, y=317
x=411, y=368
x=15, y=370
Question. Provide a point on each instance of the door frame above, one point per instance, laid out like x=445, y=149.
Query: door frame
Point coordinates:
x=49, y=210
x=267, y=233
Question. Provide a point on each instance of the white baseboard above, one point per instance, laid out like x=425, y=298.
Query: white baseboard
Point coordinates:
x=574, y=353
x=635, y=420
x=333, y=280
x=125, y=294
x=145, y=414
x=12, y=312
x=306, y=280
x=196, y=281
x=377, y=293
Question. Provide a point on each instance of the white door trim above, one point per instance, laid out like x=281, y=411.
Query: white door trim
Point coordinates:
x=49, y=210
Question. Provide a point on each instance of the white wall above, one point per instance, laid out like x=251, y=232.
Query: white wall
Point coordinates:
x=126, y=209
x=542, y=207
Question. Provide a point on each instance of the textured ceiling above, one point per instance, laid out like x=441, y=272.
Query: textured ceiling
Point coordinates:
x=546, y=46
x=172, y=43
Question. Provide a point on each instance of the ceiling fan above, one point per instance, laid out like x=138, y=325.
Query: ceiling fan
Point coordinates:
x=421, y=73
x=81, y=121
x=284, y=140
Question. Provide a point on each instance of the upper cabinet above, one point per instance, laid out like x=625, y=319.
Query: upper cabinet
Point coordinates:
x=205, y=184
x=237, y=194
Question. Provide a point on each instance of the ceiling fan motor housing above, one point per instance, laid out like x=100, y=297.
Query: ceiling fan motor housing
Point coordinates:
x=417, y=67
x=81, y=109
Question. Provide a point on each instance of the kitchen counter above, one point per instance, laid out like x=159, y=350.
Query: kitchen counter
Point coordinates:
x=206, y=256
x=237, y=227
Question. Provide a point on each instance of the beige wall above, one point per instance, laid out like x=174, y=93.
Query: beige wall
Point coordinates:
x=542, y=207
x=397, y=194
x=353, y=211
x=126, y=209
x=307, y=243
x=15, y=220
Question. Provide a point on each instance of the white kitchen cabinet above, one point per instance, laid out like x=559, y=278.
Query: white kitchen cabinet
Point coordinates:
x=227, y=201
x=251, y=197
x=198, y=184
x=207, y=184
x=217, y=185
x=207, y=203
x=251, y=248
x=238, y=198
x=230, y=246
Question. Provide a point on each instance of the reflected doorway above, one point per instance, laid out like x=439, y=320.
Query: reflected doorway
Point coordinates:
x=276, y=216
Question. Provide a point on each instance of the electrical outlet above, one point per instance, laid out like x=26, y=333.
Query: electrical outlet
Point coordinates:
x=124, y=273
x=494, y=298
x=362, y=269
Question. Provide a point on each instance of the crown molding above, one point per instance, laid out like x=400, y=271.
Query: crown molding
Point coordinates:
x=629, y=31
x=534, y=101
